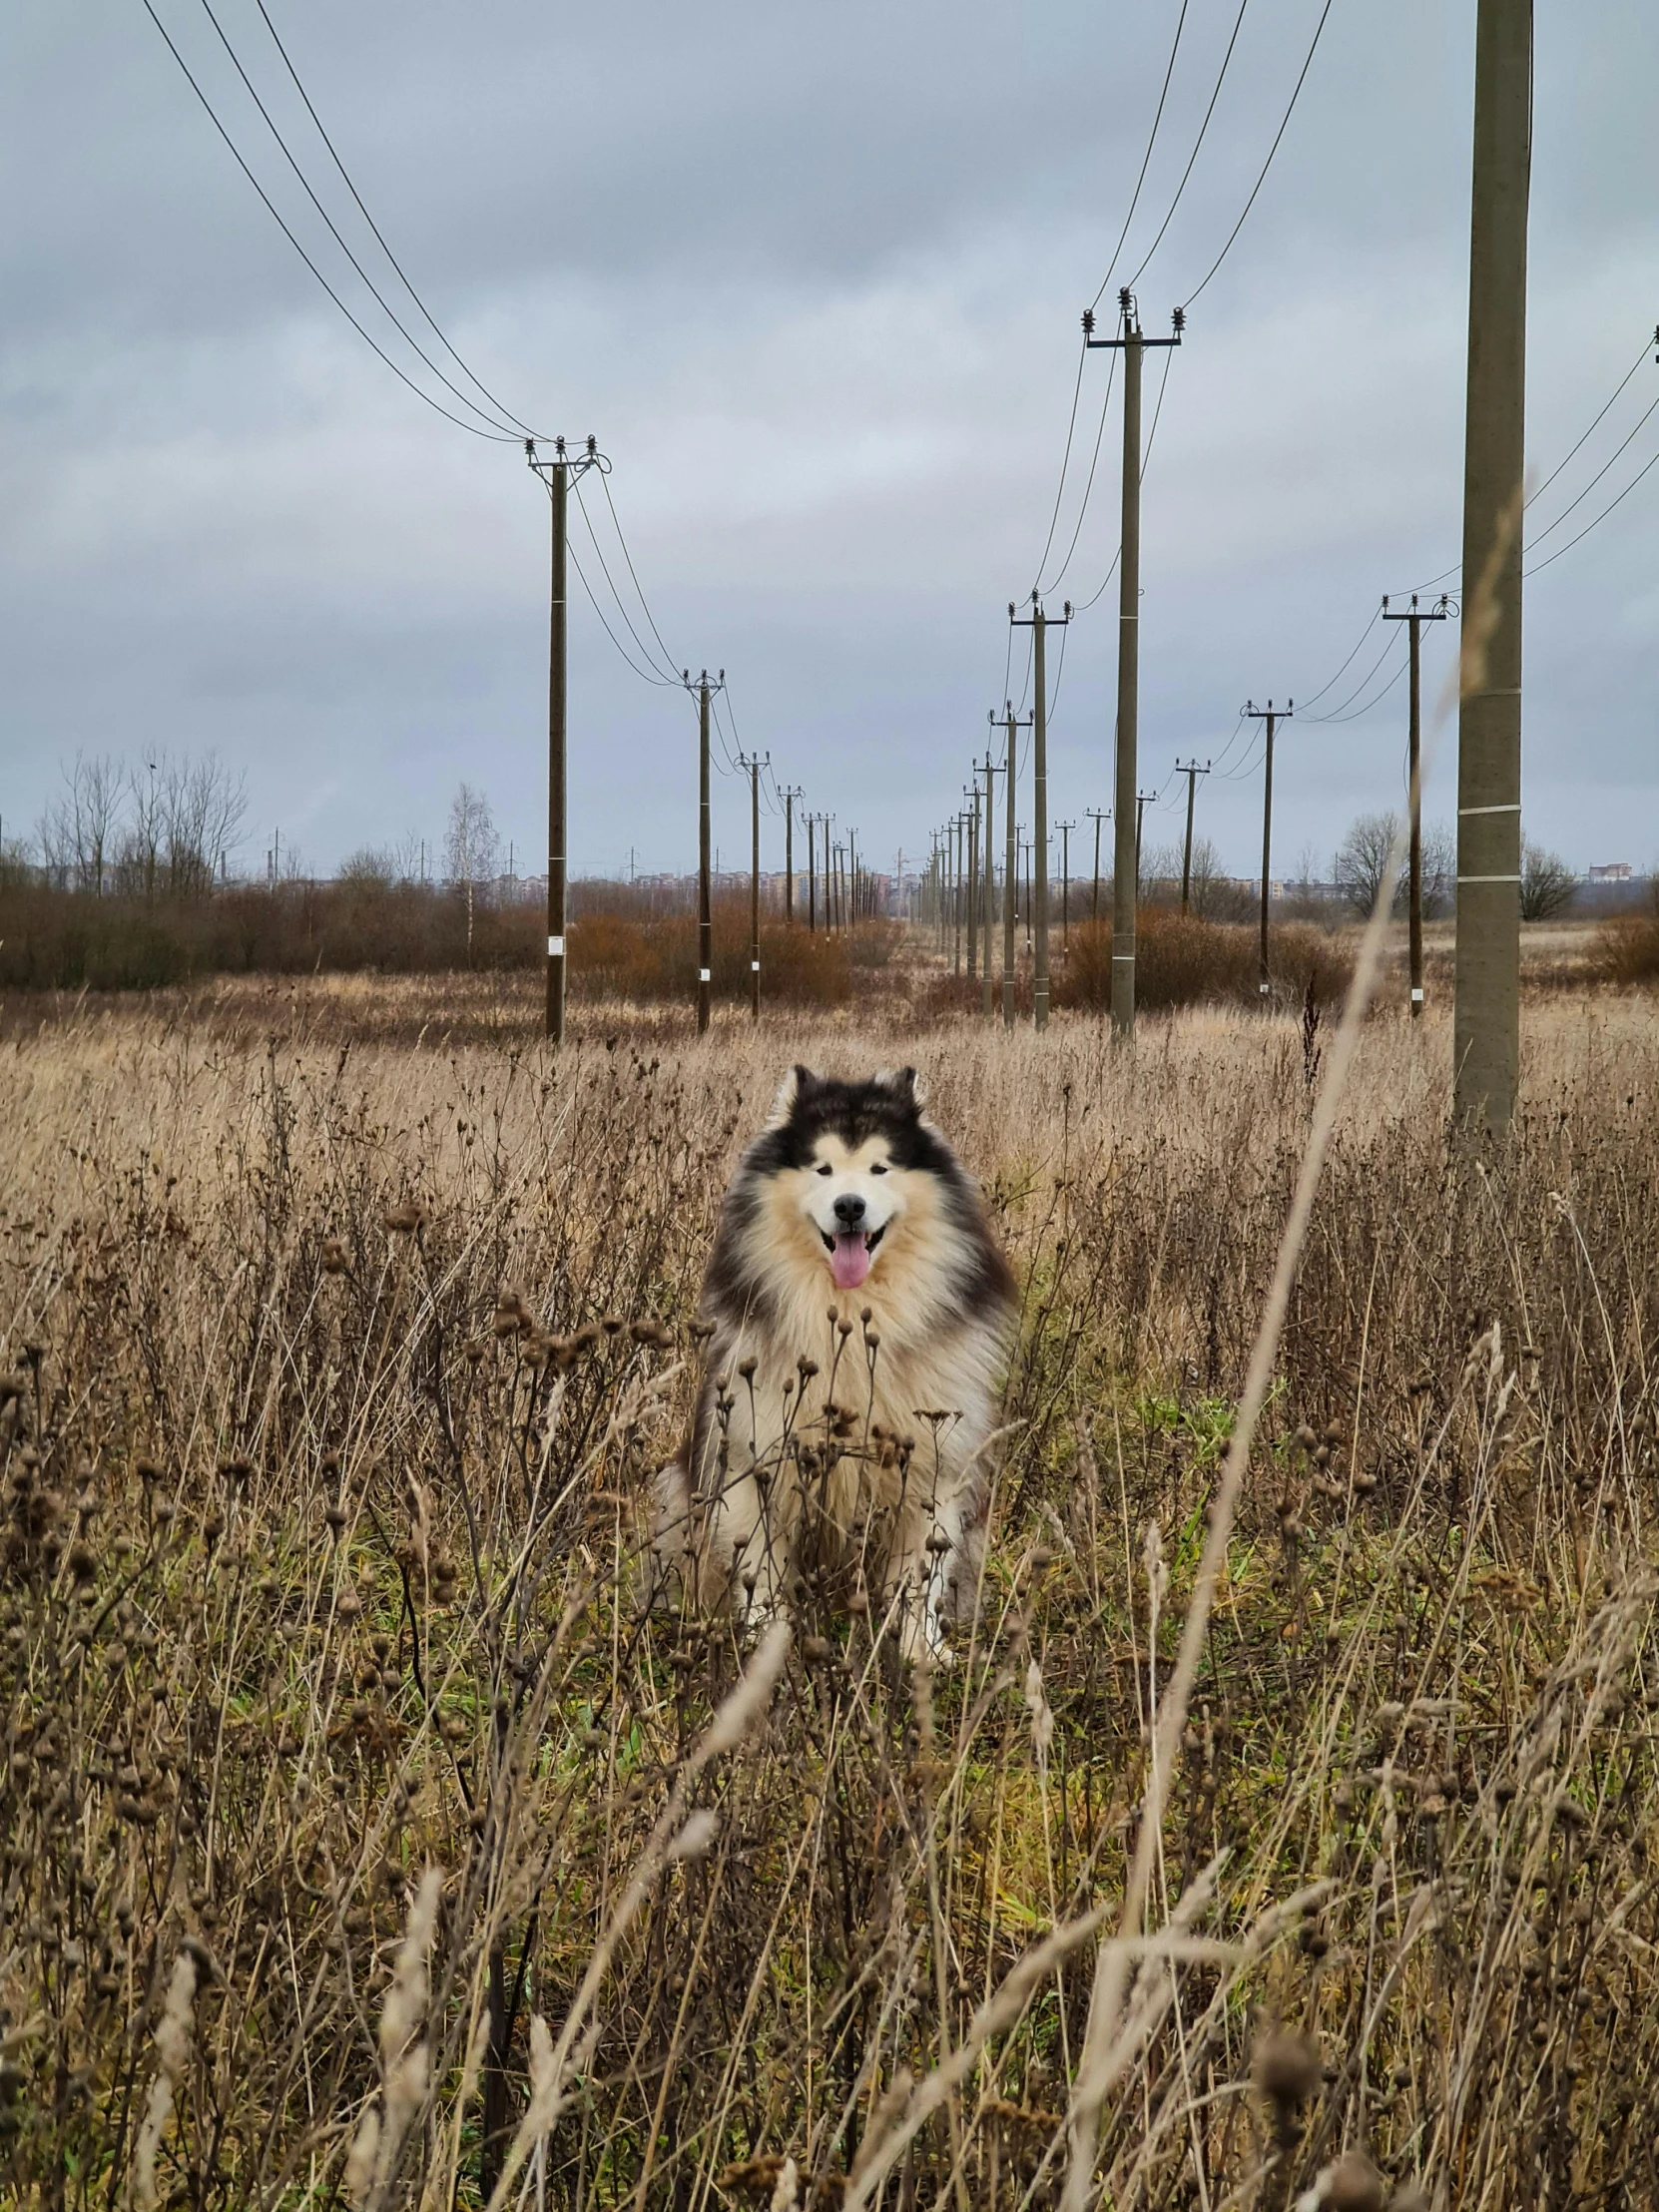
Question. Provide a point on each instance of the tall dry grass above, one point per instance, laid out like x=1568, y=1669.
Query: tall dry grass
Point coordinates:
x=334, y=1377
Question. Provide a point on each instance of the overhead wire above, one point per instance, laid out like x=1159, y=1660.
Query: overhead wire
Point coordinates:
x=1550, y=529
x=1295, y=94
x=1152, y=140
x=1221, y=79
x=376, y=294
x=430, y=320
x=671, y=675
x=1335, y=714
x=629, y=558
x=1589, y=526
x=1083, y=604
x=1088, y=487
x=1331, y=682
x=495, y=437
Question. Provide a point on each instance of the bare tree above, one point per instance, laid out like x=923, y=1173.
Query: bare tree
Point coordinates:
x=1439, y=871
x=1548, y=886
x=1361, y=860
x=202, y=809
x=77, y=830
x=470, y=846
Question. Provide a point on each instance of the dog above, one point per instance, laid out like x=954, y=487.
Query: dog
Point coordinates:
x=856, y=1314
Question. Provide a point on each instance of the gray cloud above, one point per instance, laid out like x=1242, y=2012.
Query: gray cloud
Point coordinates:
x=814, y=276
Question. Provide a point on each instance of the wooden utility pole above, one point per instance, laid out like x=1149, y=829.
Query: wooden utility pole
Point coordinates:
x=1038, y=622
x=1097, y=817
x=1066, y=828
x=1414, y=779
x=789, y=796
x=1132, y=345
x=754, y=764
x=1271, y=717
x=1486, y=1019
x=1191, y=772
x=557, y=474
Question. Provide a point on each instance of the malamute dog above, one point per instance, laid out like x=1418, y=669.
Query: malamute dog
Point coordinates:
x=859, y=1310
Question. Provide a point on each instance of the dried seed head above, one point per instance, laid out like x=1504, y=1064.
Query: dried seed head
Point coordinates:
x=1352, y=2185
x=1286, y=2067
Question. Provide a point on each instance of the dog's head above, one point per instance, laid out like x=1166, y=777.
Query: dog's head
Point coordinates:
x=854, y=1169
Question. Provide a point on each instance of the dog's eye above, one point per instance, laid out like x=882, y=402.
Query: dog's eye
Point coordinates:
x=877, y=1167
x=826, y=1169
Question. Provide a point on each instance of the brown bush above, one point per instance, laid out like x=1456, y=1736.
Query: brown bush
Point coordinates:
x=1183, y=961
x=73, y=941
x=1627, y=947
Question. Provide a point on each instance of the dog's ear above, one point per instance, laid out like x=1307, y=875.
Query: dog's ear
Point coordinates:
x=905, y=1087
x=796, y=1086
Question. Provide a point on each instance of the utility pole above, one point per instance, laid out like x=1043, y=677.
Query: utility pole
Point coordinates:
x=1132, y=345
x=705, y=900
x=789, y=796
x=558, y=474
x=958, y=839
x=1143, y=801
x=1025, y=878
x=852, y=877
x=1097, y=817
x=972, y=793
x=1037, y=621
x=754, y=763
x=1413, y=778
x=1191, y=772
x=985, y=996
x=1271, y=717
x=1486, y=1019
x=1010, y=873
x=1066, y=828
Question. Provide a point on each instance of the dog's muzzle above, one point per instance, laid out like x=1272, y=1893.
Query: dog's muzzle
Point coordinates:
x=850, y=1245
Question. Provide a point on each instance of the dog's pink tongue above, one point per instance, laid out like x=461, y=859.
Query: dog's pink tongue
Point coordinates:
x=850, y=1262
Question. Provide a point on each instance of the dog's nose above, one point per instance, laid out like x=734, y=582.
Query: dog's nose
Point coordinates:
x=850, y=1209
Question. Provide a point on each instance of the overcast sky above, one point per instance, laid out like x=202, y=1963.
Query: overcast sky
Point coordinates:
x=813, y=276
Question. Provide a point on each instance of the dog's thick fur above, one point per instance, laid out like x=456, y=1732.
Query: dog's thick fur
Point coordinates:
x=864, y=1443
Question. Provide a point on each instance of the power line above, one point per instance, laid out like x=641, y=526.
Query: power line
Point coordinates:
x=1065, y=463
x=1550, y=529
x=1589, y=526
x=629, y=558
x=1094, y=461
x=1295, y=94
x=1238, y=26
x=1335, y=714
x=673, y=676
x=496, y=438
x=1331, y=683
x=1083, y=604
x=333, y=231
x=1152, y=140
x=431, y=323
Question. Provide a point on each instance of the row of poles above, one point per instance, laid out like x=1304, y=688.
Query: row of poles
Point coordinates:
x=1487, y=1023
x=1486, y=1012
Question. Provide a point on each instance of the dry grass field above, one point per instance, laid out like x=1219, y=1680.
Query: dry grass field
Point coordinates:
x=368, y=1840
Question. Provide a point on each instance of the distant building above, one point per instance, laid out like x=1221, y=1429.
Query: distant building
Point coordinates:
x=1614, y=871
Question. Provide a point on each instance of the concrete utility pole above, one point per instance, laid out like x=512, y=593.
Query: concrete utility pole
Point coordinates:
x=1270, y=716
x=1010, y=874
x=558, y=474
x=957, y=834
x=1039, y=623
x=852, y=874
x=705, y=900
x=1191, y=772
x=1143, y=799
x=990, y=876
x=1065, y=829
x=754, y=764
x=972, y=793
x=789, y=796
x=1486, y=1018
x=1097, y=817
x=1124, y=879
x=1414, y=777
